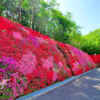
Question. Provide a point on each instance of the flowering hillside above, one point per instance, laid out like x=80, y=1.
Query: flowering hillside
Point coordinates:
x=30, y=61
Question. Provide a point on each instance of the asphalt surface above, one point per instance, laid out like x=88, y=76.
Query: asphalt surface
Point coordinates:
x=85, y=88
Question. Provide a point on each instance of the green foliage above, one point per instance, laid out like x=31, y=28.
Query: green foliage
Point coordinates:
x=92, y=42
x=89, y=43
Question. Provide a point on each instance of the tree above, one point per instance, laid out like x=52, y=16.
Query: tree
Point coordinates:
x=92, y=42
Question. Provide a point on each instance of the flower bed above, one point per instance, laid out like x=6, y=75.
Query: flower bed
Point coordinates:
x=30, y=61
x=96, y=58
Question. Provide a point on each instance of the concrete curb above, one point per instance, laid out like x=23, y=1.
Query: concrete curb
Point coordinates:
x=50, y=88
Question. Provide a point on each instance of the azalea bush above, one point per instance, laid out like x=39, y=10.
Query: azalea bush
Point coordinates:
x=79, y=61
x=30, y=61
x=96, y=58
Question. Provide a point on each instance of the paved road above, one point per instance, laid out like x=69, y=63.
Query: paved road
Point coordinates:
x=85, y=88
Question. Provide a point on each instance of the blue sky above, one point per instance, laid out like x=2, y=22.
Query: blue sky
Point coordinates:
x=86, y=13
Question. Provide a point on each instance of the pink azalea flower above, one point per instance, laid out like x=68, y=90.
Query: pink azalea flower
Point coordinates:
x=48, y=63
x=28, y=63
x=17, y=35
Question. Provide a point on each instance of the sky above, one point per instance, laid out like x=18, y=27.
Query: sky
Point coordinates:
x=86, y=13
